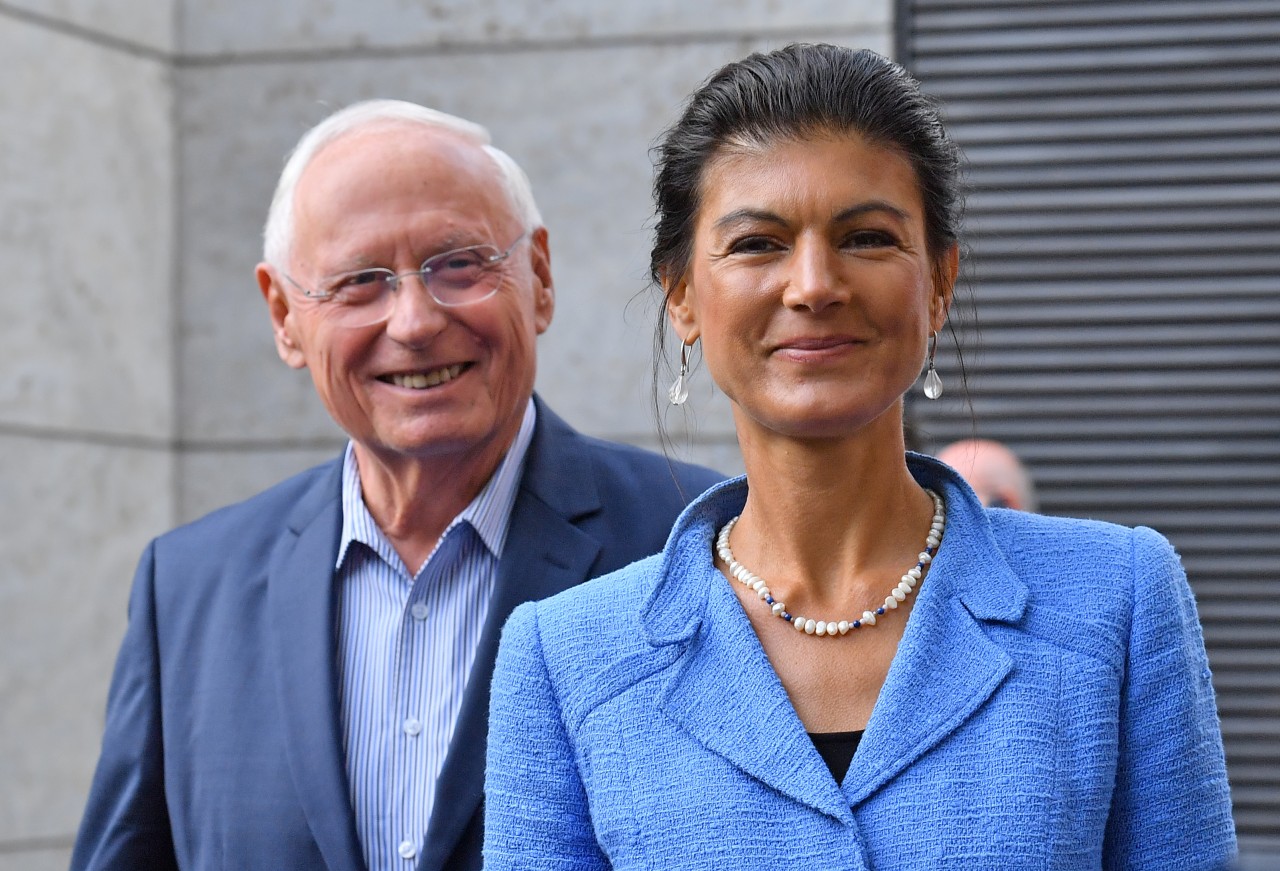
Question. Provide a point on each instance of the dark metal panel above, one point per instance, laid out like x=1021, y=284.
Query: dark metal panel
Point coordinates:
x=1205, y=296
x=1221, y=217
x=1124, y=228
x=1188, y=56
x=1030, y=85
x=1094, y=129
x=1132, y=35
x=1052, y=174
x=1087, y=241
x=1017, y=106
x=994, y=16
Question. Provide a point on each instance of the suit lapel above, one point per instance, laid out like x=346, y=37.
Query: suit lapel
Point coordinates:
x=945, y=670
x=726, y=695
x=301, y=600
x=544, y=554
x=947, y=667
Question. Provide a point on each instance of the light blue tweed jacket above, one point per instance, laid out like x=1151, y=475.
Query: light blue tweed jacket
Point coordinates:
x=1049, y=707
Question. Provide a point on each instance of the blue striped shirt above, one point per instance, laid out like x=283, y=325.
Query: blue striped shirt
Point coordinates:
x=405, y=648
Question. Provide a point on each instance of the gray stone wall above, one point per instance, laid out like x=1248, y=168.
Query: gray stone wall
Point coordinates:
x=139, y=143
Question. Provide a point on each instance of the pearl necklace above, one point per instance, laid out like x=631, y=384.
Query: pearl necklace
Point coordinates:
x=842, y=627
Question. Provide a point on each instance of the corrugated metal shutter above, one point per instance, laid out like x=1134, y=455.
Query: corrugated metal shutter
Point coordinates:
x=1125, y=232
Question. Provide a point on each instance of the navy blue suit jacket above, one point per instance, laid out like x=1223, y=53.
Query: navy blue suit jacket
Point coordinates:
x=223, y=746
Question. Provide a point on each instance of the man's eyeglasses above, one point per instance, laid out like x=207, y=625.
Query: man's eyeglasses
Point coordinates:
x=453, y=278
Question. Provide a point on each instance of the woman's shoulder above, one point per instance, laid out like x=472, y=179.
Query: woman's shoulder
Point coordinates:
x=1090, y=582
x=1074, y=542
x=603, y=606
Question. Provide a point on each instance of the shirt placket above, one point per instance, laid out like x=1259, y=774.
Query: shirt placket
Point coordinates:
x=411, y=737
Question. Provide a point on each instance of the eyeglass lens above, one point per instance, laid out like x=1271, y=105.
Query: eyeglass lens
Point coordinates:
x=452, y=278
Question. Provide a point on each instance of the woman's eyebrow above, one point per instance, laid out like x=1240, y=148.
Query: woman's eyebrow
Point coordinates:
x=872, y=206
x=740, y=215
x=850, y=213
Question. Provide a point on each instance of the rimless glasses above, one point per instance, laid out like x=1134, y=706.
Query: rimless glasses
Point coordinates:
x=453, y=278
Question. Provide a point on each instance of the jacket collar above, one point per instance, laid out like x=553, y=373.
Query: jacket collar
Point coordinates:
x=545, y=552
x=724, y=691
x=302, y=602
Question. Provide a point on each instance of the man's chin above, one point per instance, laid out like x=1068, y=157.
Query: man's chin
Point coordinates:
x=428, y=441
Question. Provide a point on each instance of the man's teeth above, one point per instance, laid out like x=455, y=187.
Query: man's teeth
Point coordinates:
x=421, y=381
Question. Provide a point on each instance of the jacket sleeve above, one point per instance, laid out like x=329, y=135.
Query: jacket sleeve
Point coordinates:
x=1171, y=808
x=126, y=821
x=536, y=813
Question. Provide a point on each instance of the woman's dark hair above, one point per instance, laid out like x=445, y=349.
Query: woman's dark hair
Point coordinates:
x=799, y=92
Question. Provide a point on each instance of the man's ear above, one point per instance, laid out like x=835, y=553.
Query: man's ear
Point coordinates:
x=282, y=323
x=544, y=292
x=680, y=309
x=945, y=271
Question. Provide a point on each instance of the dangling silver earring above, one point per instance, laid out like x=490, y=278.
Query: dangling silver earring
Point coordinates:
x=679, y=391
x=932, y=383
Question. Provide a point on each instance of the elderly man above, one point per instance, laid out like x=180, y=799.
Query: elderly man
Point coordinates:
x=304, y=681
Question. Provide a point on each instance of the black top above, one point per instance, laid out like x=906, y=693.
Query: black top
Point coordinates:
x=836, y=749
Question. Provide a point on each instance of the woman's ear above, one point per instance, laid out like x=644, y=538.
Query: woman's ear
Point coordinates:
x=945, y=271
x=680, y=309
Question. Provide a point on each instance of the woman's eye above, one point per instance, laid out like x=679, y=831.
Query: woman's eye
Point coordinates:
x=869, y=239
x=754, y=245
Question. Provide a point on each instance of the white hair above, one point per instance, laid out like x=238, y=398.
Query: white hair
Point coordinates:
x=277, y=235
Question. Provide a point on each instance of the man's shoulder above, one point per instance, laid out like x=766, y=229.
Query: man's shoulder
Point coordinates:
x=623, y=497
x=264, y=513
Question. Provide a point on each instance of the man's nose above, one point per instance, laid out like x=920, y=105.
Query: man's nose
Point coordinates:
x=814, y=277
x=415, y=317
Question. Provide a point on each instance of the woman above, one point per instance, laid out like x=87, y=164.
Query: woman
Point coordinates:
x=842, y=660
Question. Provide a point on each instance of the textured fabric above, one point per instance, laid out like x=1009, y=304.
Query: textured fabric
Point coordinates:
x=1049, y=707
x=405, y=648
x=223, y=738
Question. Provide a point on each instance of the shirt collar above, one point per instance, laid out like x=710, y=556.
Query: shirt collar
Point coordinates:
x=489, y=513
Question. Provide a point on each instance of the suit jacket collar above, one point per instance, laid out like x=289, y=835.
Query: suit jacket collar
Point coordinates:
x=724, y=692
x=302, y=602
x=545, y=553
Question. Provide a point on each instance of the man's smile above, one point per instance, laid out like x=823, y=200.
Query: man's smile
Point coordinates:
x=423, y=380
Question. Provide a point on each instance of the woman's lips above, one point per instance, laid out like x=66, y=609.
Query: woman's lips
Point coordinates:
x=816, y=348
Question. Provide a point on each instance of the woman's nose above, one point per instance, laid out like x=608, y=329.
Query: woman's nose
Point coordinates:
x=815, y=279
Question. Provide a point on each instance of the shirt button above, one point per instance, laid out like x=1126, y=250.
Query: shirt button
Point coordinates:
x=419, y=611
x=412, y=728
x=407, y=849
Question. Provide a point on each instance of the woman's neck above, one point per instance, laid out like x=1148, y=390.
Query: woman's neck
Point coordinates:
x=829, y=522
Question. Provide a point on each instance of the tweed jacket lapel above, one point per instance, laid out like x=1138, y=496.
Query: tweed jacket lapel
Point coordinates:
x=301, y=599
x=725, y=693
x=723, y=690
x=545, y=553
x=947, y=666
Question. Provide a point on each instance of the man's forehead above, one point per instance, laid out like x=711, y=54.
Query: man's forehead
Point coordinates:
x=374, y=148
x=400, y=169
